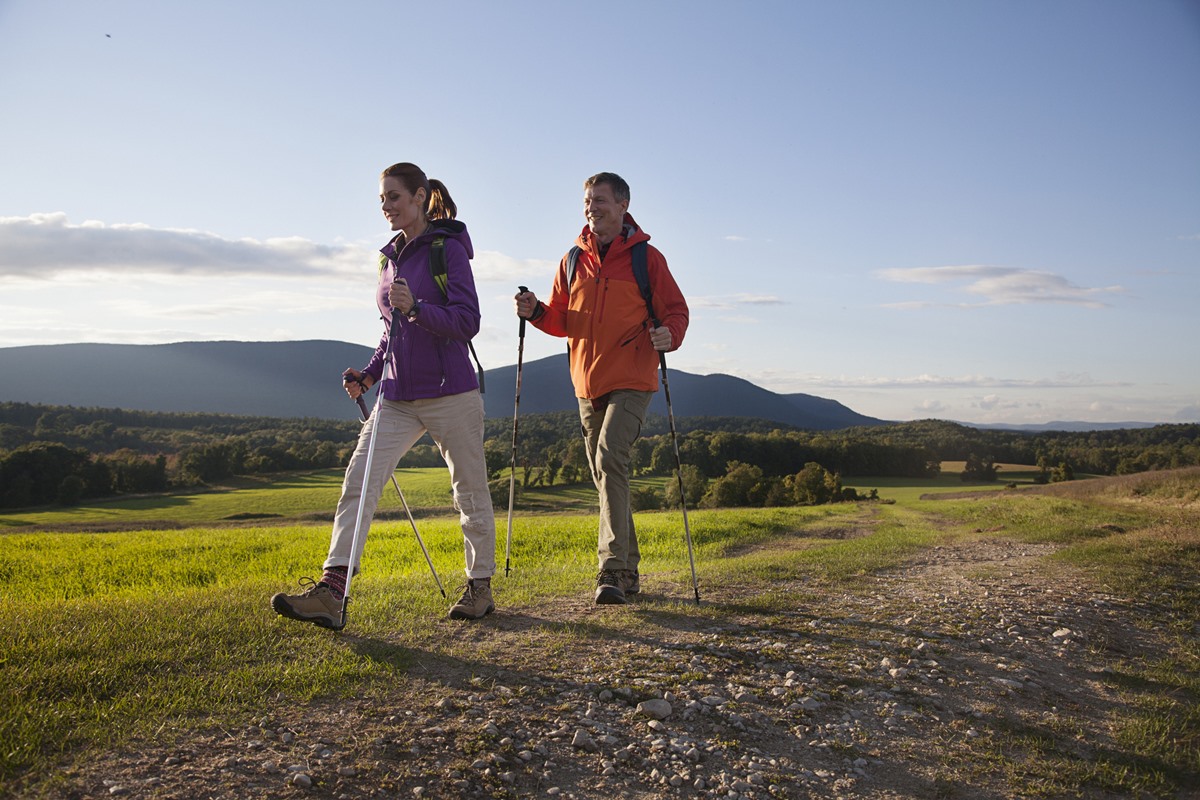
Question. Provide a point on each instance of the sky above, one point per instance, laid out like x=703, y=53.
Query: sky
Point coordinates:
x=975, y=210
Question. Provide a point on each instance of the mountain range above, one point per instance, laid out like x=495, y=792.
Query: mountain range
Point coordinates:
x=302, y=379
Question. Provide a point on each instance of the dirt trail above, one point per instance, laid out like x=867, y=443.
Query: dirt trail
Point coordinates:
x=907, y=685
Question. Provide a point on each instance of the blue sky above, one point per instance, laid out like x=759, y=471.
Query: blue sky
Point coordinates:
x=973, y=210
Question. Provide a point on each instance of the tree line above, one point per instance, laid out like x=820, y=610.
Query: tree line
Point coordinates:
x=55, y=454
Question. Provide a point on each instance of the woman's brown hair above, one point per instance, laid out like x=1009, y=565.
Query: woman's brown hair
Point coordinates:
x=439, y=204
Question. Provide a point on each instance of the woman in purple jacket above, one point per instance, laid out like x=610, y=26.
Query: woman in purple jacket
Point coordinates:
x=429, y=385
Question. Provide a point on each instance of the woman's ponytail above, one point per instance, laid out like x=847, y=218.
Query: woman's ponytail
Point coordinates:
x=440, y=205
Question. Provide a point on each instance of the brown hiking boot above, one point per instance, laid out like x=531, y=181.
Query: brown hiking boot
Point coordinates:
x=316, y=604
x=631, y=582
x=476, y=601
x=608, y=588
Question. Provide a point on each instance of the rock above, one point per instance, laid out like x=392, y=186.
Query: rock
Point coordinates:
x=301, y=780
x=582, y=741
x=655, y=709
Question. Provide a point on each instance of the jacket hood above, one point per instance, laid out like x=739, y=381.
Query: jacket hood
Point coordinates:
x=450, y=228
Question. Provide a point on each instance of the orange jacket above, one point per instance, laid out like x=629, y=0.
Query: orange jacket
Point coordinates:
x=604, y=317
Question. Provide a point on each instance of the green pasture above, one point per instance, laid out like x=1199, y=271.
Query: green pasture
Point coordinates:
x=290, y=497
x=314, y=495
x=286, y=497
x=907, y=490
x=125, y=632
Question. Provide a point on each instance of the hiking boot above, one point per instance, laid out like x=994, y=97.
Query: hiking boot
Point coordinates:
x=316, y=604
x=631, y=582
x=608, y=589
x=476, y=601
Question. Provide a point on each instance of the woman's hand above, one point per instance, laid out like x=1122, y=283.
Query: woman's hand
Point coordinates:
x=356, y=383
x=399, y=297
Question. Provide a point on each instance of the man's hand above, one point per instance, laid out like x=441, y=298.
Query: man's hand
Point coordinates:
x=661, y=338
x=526, y=303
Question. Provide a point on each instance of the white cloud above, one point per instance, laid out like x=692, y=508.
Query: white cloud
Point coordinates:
x=999, y=286
x=43, y=247
x=927, y=381
x=491, y=265
x=47, y=246
x=732, y=301
x=992, y=402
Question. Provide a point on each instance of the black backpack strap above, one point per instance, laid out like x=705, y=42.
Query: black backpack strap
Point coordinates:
x=641, y=274
x=437, y=269
x=572, y=260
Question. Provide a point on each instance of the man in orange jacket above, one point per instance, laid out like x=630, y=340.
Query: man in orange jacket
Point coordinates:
x=614, y=344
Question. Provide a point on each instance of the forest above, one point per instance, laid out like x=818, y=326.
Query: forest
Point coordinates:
x=63, y=455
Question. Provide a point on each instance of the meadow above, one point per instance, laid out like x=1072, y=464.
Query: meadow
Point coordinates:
x=148, y=618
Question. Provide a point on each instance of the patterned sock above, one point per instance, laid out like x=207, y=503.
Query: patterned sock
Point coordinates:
x=335, y=579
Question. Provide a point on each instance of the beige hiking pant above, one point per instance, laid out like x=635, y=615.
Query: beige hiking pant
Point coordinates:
x=610, y=427
x=456, y=425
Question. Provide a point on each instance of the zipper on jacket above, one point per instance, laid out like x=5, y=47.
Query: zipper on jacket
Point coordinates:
x=601, y=297
x=635, y=335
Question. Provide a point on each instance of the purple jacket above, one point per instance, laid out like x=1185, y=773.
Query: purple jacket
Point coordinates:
x=430, y=353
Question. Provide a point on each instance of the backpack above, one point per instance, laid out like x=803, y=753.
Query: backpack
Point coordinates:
x=641, y=274
x=437, y=270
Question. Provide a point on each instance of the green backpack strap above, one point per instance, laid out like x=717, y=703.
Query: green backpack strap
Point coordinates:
x=437, y=270
x=437, y=263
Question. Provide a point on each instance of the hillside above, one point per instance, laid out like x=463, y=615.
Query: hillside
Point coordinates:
x=299, y=379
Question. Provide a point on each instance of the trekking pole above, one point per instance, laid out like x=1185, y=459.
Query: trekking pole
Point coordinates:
x=512, y=463
x=366, y=414
x=662, y=361
x=362, y=497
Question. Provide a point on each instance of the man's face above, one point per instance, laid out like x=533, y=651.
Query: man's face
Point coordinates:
x=604, y=213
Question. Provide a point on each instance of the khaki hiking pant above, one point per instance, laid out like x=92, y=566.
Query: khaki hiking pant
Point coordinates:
x=456, y=425
x=611, y=425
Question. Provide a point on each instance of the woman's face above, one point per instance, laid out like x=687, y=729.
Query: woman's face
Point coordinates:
x=401, y=208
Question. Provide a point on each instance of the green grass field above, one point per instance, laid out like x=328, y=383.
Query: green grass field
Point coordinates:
x=284, y=497
x=315, y=494
x=116, y=634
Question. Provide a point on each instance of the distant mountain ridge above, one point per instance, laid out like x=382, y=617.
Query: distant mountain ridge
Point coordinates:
x=299, y=379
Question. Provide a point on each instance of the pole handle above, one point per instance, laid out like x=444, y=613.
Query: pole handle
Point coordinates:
x=362, y=404
x=523, y=290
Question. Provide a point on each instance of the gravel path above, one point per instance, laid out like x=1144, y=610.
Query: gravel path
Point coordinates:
x=907, y=685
